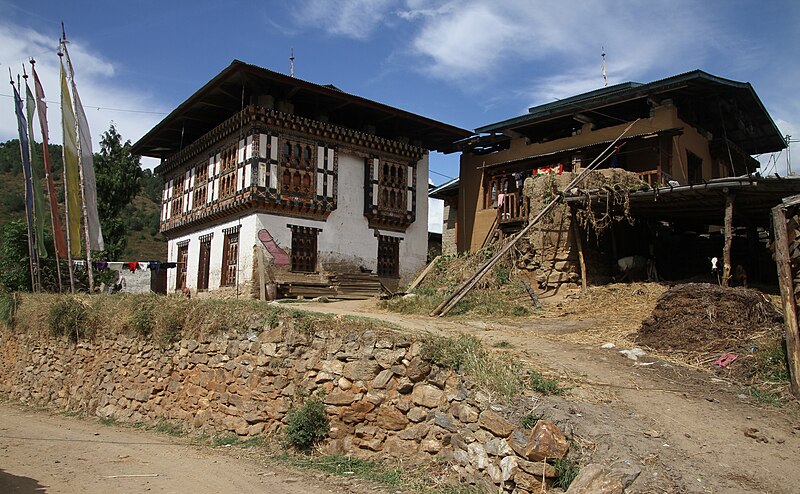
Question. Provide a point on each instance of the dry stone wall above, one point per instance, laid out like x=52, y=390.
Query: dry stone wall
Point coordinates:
x=382, y=398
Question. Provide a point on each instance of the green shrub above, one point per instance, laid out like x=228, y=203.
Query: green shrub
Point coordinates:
x=142, y=320
x=307, y=425
x=8, y=305
x=543, y=385
x=771, y=364
x=566, y=471
x=70, y=316
x=529, y=421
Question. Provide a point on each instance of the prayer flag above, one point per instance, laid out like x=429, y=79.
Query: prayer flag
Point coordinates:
x=36, y=177
x=71, y=172
x=86, y=161
x=41, y=107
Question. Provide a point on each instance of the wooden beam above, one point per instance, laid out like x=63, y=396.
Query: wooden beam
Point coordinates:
x=422, y=275
x=579, y=243
x=783, y=263
x=726, y=250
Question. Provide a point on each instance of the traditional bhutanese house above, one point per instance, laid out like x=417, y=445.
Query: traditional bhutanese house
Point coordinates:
x=695, y=131
x=268, y=177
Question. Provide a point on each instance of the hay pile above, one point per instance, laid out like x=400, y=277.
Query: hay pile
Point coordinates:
x=700, y=317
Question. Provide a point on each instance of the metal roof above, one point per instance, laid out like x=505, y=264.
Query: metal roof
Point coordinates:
x=721, y=106
x=241, y=83
x=449, y=188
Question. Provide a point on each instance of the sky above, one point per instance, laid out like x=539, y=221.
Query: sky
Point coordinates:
x=468, y=63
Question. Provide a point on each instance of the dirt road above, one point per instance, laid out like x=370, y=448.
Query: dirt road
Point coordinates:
x=41, y=452
x=688, y=431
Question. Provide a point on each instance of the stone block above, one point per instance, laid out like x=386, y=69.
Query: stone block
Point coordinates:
x=427, y=395
x=417, y=369
x=546, y=441
x=391, y=419
x=361, y=370
x=339, y=398
x=495, y=423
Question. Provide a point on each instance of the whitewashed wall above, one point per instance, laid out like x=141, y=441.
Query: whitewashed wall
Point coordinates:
x=345, y=239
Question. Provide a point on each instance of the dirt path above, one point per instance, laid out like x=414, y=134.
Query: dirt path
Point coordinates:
x=41, y=452
x=688, y=431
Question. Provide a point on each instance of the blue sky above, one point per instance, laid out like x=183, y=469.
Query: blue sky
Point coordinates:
x=464, y=62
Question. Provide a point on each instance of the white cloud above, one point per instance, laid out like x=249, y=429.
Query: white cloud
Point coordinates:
x=99, y=88
x=350, y=18
x=435, y=215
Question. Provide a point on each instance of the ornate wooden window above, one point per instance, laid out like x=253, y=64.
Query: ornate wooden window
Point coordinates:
x=392, y=186
x=205, y=262
x=230, y=256
x=176, y=205
x=227, y=183
x=389, y=191
x=388, y=256
x=183, y=265
x=200, y=186
x=298, y=170
x=304, y=249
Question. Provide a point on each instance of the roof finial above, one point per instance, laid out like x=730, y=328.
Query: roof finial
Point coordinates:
x=291, y=64
x=605, y=77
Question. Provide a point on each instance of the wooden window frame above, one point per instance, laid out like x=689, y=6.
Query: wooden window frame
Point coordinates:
x=304, y=249
x=230, y=257
x=392, y=186
x=204, y=262
x=182, y=271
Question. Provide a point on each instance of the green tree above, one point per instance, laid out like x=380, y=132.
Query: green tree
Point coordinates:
x=119, y=176
x=15, y=274
x=152, y=185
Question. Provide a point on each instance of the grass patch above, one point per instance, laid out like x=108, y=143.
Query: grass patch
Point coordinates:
x=770, y=364
x=497, y=373
x=169, y=429
x=530, y=420
x=307, y=425
x=8, y=306
x=346, y=466
x=543, y=385
x=71, y=413
x=224, y=439
x=70, y=316
x=109, y=421
x=566, y=471
x=503, y=344
x=764, y=396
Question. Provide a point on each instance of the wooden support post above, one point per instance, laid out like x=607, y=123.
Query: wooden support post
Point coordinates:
x=422, y=275
x=262, y=276
x=576, y=232
x=726, y=250
x=782, y=260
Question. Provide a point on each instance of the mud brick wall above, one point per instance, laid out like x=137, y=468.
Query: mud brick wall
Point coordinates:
x=381, y=397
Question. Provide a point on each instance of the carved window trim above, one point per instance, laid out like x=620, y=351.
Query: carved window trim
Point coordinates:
x=297, y=169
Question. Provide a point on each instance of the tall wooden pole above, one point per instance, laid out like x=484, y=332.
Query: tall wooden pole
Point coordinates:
x=726, y=250
x=785, y=279
x=579, y=244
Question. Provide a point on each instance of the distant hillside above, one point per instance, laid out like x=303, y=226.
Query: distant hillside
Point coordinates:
x=141, y=216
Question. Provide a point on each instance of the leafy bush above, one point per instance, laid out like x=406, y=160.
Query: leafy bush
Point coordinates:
x=307, y=425
x=69, y=316
x=529, y=421
x=142, y=320
x=566, y=471
x=543, y=385
x=8, y=305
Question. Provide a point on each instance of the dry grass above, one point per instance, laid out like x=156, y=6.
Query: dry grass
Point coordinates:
x=619, y=309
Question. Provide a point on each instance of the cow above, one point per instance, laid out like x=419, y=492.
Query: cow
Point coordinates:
x=637, y=267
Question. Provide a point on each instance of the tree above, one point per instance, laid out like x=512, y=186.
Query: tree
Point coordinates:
x=118, y=174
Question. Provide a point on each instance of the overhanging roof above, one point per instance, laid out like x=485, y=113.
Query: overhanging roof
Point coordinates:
x=241, y=83
x=704, y=204
x=721, y=106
